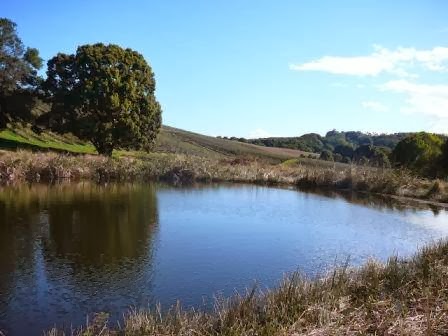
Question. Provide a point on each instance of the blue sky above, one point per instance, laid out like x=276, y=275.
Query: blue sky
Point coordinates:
x=261, y=68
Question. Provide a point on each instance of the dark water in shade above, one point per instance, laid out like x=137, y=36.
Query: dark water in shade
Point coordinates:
x=71, y=250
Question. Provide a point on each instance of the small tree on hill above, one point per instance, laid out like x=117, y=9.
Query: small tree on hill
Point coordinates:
x=344, y=150
x=326, y=155
x=372, y=155
x=104, y=94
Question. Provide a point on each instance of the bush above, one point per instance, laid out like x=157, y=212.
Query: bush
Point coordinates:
x=420, y=152
x=326, y=155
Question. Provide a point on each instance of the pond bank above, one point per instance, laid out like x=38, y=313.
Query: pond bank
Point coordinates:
x=23, y=166
x=400, y=297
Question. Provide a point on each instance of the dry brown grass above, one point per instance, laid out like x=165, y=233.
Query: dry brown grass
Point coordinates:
x=400, y=297
x=177, y=168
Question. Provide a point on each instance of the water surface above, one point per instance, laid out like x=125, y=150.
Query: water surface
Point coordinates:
x=71, y=250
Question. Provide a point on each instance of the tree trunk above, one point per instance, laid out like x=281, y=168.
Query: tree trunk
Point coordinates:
x=3, y=113
x=103, y=148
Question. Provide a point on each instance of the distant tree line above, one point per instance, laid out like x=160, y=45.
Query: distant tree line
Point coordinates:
x=423, y=153
x=316, y=143
x=104, y=94
x=346, y=147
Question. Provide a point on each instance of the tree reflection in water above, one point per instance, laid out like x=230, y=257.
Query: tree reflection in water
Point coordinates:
x=84, y=241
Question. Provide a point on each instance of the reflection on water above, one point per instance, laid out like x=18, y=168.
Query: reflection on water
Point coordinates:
x=69, y=242
x=71, y=250
x=378, y=201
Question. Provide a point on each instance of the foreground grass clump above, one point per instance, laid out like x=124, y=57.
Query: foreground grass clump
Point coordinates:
x=400, y=297
x=179, y=168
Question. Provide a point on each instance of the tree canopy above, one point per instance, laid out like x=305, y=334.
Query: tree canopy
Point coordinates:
x=18, y=66
x=104, y=94
x=420, y=152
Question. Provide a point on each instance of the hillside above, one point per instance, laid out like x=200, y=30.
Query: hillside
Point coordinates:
x=174, y=140
x=170, y=140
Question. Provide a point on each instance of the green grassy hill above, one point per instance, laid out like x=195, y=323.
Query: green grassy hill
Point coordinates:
x=170, y=140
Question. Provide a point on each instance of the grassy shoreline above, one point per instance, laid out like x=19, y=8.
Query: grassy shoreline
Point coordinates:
x=24, y=166
x=399, y=297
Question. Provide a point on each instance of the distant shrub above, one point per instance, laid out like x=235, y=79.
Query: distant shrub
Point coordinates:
x=326, y=155
x=338, y=157
x=346, y=159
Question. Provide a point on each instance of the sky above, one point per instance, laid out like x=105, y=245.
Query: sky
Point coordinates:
x=257, y=68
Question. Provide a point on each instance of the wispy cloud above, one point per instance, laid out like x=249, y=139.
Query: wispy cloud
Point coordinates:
x=382, y=60
x=374, y=106
x=428, y=99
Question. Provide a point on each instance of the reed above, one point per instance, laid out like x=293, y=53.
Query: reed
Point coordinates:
x=177, y=168
x=399, y=297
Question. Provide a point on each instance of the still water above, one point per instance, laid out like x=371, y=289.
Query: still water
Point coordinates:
x=67, y=251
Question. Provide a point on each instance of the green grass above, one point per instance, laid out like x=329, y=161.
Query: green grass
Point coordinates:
x=24, y=138
x=169, y=140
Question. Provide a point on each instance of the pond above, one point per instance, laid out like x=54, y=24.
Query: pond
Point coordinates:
x=67, y=251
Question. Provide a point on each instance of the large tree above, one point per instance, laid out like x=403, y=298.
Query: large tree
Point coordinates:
x=104, y=94
x=420, y=152
x=18, y=66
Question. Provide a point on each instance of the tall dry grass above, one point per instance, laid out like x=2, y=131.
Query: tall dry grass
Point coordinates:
x=47, y=167
x=400, y=297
